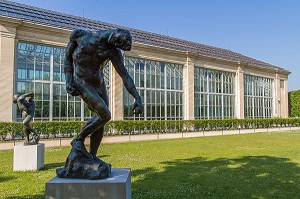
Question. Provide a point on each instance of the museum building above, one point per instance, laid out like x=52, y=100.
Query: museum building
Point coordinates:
x=177, y=79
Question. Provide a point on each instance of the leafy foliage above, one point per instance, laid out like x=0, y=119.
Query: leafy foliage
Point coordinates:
x=294, y=103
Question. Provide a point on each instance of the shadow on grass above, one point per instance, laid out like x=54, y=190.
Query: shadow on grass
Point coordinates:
x=53, y=165
x=102, y=156
x=6, y=178
x=246, y=177
x=37, y=196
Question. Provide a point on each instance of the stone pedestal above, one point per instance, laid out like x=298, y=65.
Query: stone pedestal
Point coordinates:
x=117, y=186
x=29, y=157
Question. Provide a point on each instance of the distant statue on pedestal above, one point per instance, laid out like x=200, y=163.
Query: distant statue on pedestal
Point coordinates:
x=86, y=55
x=25, y=102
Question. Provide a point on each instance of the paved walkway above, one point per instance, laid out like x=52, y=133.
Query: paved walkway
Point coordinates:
x=131, y=138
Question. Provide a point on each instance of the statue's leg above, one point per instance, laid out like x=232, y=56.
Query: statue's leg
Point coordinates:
x=95, y=141
x=96, y=136
x=26, y=128
x=26, y=136
x=103, y=116
x=35, y=136
x=96, y=104
x=78, y=142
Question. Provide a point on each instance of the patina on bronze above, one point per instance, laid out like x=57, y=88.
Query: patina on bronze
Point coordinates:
x=86, y=55
x=26, y=103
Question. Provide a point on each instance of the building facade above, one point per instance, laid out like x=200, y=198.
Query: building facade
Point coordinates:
x=177, y=79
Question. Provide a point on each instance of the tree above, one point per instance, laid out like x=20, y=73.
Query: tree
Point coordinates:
x=294, y=103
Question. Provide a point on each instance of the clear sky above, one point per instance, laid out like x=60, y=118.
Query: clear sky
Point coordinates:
x=268, y=30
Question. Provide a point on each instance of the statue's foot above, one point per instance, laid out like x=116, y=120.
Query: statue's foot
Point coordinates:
x=96, y=158
x=79, y=146
x=101, y=162
x=35, y=138
x=26, y=142
x=78, y=166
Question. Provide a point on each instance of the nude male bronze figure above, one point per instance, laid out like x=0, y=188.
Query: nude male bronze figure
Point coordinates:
x=26, y=103
x=86, y=55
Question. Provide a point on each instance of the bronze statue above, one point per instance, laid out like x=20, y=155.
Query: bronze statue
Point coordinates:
x=25, y=102
x=86, y=55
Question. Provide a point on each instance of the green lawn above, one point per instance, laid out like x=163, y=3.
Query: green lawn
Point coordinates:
x=263, y=165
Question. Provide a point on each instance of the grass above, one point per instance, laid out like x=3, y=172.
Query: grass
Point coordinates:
x=262, y=165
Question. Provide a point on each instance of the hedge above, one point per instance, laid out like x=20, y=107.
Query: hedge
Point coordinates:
x=129, y=127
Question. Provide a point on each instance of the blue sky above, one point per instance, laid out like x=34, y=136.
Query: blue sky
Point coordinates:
x=268, y=30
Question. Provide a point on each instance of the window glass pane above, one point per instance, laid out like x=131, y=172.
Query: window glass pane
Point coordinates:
x=212, y=92
x=34, y=63
x=45, y=109
x=157, y=75
x=258, y=97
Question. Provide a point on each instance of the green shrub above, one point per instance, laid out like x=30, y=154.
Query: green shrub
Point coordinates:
x=294, y=103
x=130, y=127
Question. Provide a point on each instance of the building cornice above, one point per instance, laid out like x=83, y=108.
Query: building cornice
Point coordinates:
x=9, y=21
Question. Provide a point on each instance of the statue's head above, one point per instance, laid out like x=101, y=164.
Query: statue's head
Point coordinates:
x=15, y=99
x=121, y=39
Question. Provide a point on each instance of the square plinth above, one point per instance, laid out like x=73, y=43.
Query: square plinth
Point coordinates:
x=117, y=186
x=29, y=157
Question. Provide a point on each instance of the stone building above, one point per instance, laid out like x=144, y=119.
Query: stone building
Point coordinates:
x=177, y=79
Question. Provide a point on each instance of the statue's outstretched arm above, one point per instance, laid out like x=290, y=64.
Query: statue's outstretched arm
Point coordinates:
x=22, y=97
x=118, y=62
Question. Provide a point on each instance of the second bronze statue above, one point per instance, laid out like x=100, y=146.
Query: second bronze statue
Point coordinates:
x=26, y=103
x=86, y=55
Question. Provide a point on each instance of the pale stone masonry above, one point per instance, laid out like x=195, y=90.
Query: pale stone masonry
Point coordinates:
x=188, y=85
x=239, y=93
x=116, y=95
x=7, y=67
x=29, y=157
x=117, y=186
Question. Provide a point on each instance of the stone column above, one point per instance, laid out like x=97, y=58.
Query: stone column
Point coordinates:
x=188, y=89
x=276, y=94
x=284, y=101
x=239, y=96
x=281, y=96
x=116, y=95
x=7, y=63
